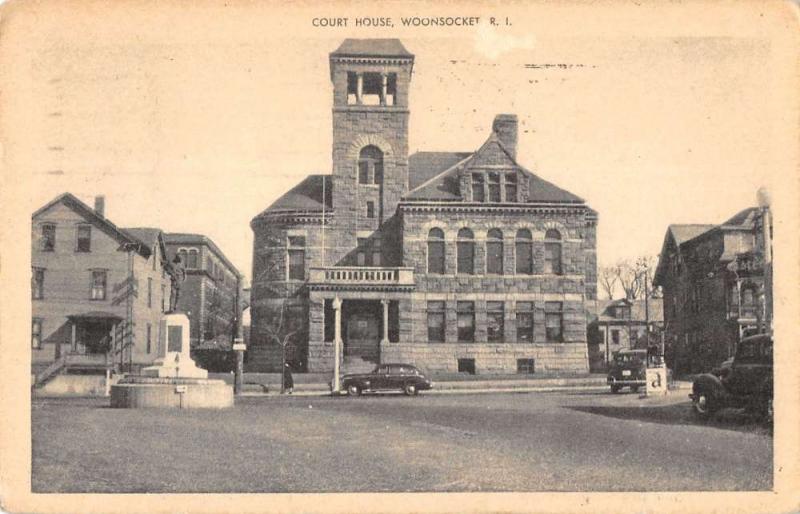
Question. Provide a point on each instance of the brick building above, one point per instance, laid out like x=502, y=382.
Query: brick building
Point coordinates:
x=713, y=280
x=623, y=324
x=212, y=292
x=98, y=291
x=454, y=261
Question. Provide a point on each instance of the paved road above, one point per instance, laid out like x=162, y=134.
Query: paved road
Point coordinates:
x=494, y=442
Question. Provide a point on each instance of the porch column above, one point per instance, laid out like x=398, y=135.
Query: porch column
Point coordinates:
x=385, y=304
x=337, y=340
x=74, y=339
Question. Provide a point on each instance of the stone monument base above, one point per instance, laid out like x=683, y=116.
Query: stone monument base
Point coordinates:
x=180, y=393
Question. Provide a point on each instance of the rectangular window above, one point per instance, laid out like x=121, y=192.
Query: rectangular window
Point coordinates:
x=370, y=209
x=552, y=258
x=191, y=259
x=84, y=238
x=436, y=322
x=297, y=258
x=553, y=322
x=466, y=366
x=436, y=257
x=511, y=187
x=48, y=240
x=376, y=258
x=466, y=321
x=37, y=283
x=466, y=257
x=525, y=366
x=99, y=279
x=149, y=292
x=149, y=337
x=494, y=322
x=477, y=188
x=494, y=257
x=615, y=336
x=494, y=187
x=525, y=322
x=524, y=255
x=36, y=333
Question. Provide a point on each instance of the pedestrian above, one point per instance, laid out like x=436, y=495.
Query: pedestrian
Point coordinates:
x=288, y=381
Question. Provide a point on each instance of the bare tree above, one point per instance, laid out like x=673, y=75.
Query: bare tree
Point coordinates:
x=279, y=332
x=609, y=276
x=633, y=274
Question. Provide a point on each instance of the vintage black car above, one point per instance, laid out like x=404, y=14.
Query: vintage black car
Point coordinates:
x=746, y=383
x=628, y=369
x=387, y=377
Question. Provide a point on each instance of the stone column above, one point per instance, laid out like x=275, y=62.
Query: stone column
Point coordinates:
x=384, y=86
x=359, y=88
x=385, y=304
x=337, y=339
x=74, y=341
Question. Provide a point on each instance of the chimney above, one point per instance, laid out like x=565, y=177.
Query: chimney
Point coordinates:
x=100, y=205
x=505, y=126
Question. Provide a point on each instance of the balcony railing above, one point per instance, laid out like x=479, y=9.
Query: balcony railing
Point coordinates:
x=359, y=275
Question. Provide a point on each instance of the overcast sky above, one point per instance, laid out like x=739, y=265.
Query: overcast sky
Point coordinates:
x=196, y=120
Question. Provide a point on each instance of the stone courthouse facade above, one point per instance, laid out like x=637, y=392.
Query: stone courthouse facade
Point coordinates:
x=452, y=261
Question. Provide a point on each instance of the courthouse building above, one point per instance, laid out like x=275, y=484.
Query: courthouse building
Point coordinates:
x=453, y=261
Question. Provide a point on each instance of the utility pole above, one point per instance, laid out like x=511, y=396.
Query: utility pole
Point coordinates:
x=238, y=342
x=766, y=235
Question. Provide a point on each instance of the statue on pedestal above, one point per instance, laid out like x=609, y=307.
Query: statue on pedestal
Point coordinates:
x=177, y=274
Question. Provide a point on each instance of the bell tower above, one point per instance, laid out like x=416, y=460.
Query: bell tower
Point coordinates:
x=371, y=79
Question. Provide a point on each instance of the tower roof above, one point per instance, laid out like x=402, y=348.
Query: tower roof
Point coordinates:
x=372, y=48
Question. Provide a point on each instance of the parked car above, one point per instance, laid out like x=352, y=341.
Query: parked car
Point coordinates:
x=746, y=383
x=628, y=369
x=387, y=377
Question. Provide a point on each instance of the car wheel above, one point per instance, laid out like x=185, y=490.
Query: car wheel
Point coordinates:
x=410, y=389
x=704, y=404
x=353, y=390
x=615, y=388
x=634, y=389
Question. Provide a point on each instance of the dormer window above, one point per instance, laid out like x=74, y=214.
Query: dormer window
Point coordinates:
x=478, y=194
x=494, y=187
x=83, y=238
x=370, y=165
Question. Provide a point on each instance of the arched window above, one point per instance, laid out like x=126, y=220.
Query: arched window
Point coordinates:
x=466, y=252
x=552, y=252
x=524, y=251
x=436, y=251
x=370, y=165
x=494, y=252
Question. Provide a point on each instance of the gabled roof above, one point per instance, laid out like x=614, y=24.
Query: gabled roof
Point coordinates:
x=423, y=166
x=683, y=233
x=444, y=185
x=126, y=240
x=372, y=48
x=654, y=310
x=305, y=196
x=744, y=219
x=178, y=238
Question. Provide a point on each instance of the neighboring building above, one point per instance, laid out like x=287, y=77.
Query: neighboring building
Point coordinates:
x=98, y=291
x=712, y=277
x=623, y=325
x=453, y=261
x=211, y=291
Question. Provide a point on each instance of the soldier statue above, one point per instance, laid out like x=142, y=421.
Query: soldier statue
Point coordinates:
x=177, y=274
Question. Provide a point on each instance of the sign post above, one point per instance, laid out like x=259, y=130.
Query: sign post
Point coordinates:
x=239, y=347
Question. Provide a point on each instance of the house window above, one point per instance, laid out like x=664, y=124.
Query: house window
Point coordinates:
x=553, y=322
x=83, y=238
x=36, y=333
x=511, y=187
x=436, y=322
x=363, y=257
x=466, y=252
x=297, y=258
x=37, y=283
x=370, y=165
x=466, y=321
x=552, y=252
x=494, y=252
x=524, y=252
x=615, y=336
x=494, y=187
x=149, y=292
x=466, y=366
x=436, y=251
x=149, y=337
x=494, y=322
x=623, y=311
x=478, y=194
x=99, y=280
x=370, y=209
x=191, y=261
x=525, y=322
x=525, y=366
x=48, y=239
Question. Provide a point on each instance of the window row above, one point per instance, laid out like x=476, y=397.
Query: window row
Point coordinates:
x=494, y=187
x=465, y=252
x=47, y=238
x=495, y=322
x=98, y=287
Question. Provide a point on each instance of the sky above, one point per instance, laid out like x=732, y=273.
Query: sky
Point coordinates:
x=196, y=119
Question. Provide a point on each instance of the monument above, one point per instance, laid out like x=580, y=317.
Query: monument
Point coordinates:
x=174, y=380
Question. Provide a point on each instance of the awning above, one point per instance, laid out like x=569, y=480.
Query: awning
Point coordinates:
x=95, y=316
